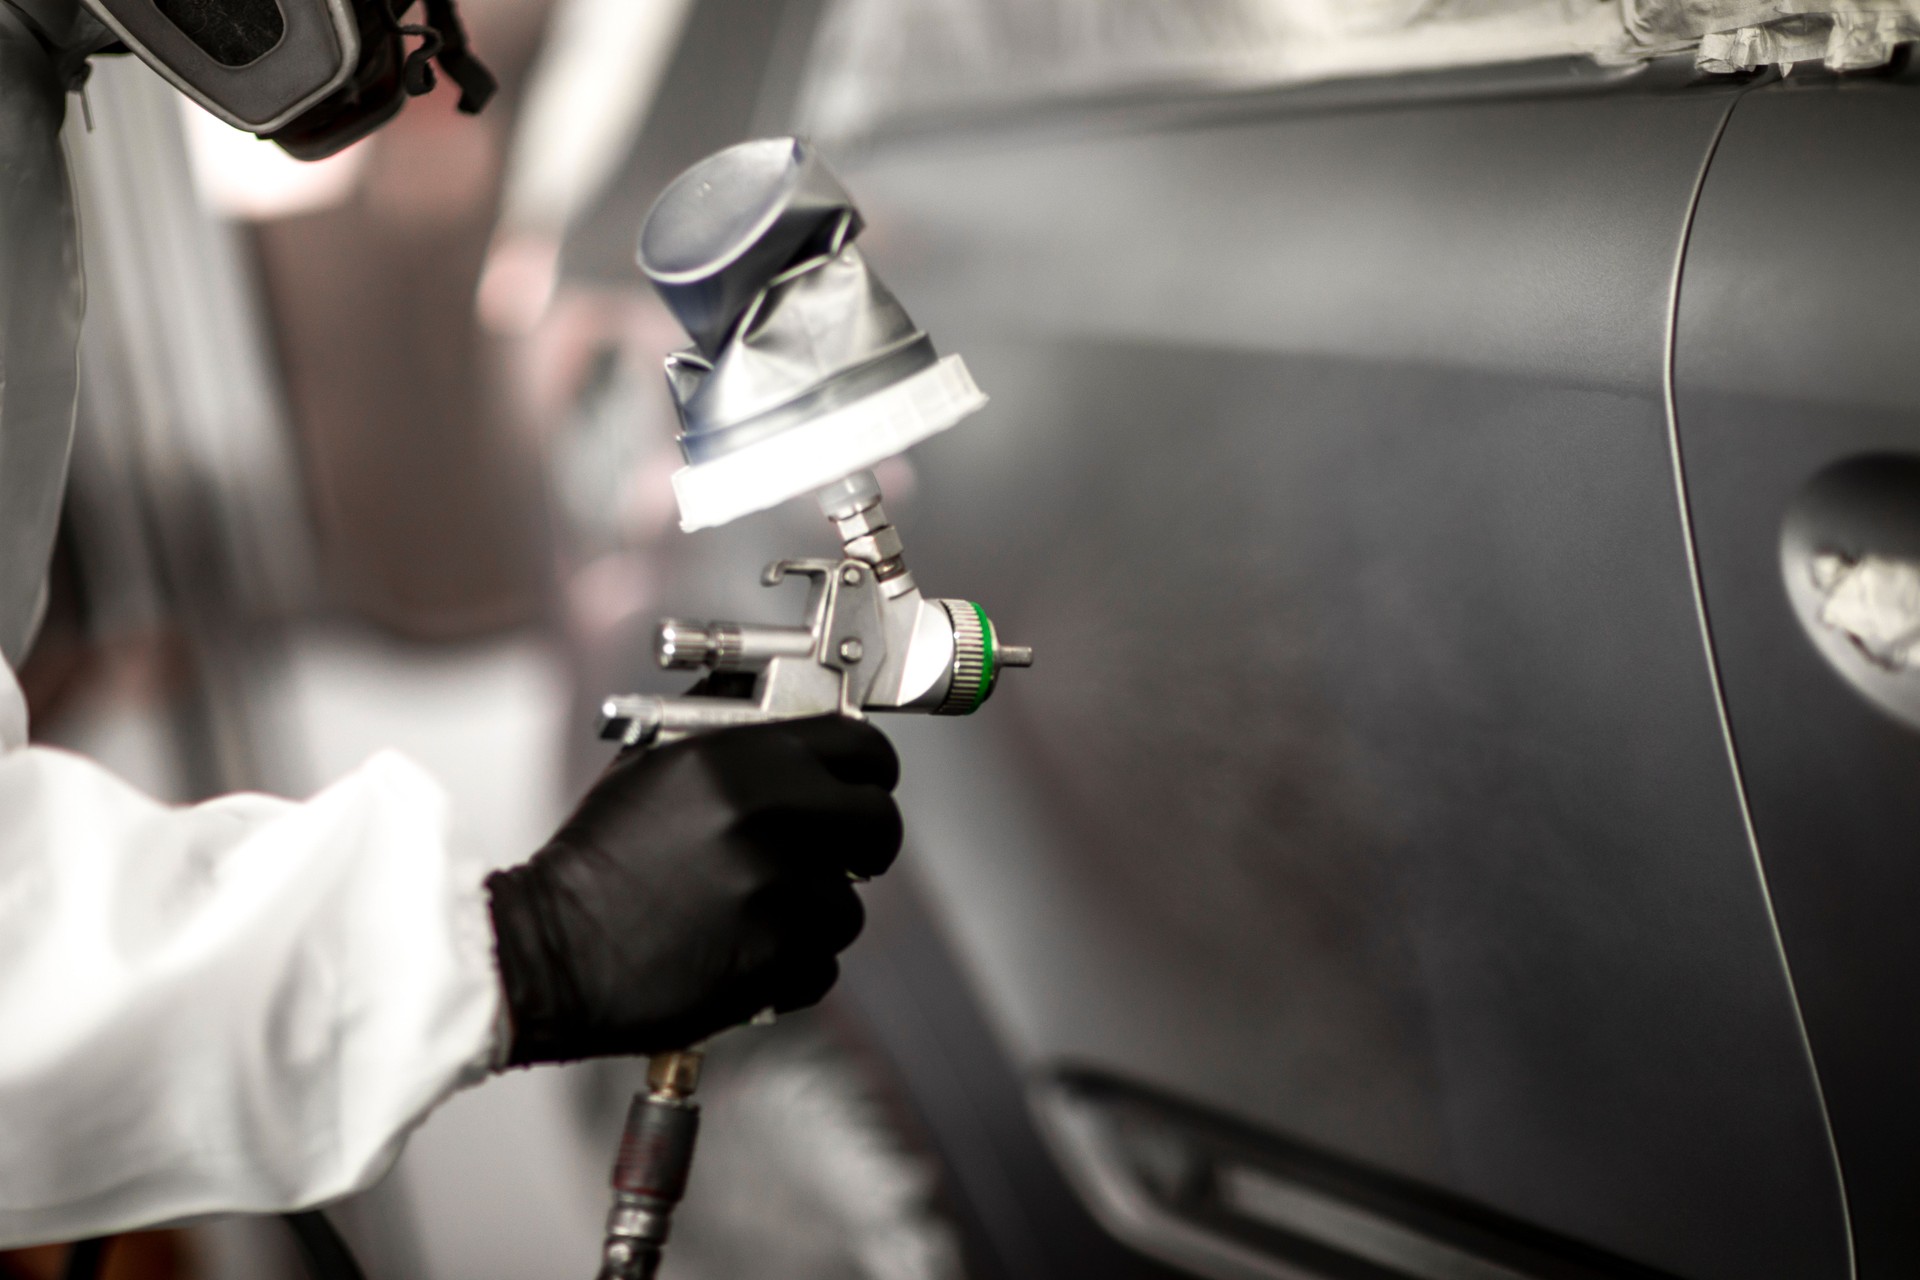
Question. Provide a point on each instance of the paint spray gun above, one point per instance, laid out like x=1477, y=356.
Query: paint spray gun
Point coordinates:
x=804, y=372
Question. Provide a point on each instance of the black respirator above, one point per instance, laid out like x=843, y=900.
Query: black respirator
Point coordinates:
x=311, y=75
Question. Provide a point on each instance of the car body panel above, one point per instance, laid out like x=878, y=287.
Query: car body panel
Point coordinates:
x=1371, y=787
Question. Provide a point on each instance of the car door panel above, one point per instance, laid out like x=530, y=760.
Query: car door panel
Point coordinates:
x=1371, y=788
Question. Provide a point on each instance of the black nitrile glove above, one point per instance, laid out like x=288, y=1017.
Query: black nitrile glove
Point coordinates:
x=696, y=885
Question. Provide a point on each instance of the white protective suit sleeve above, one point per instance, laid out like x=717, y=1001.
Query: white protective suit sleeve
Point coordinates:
x=240, y=1006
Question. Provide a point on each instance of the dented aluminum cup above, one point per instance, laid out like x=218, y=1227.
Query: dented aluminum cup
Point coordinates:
x=804, y=368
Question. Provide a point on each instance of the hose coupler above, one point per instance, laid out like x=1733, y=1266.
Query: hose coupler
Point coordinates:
x=650, y=1173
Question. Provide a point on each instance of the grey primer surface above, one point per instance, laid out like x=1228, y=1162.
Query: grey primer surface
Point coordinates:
x=1372, y=791
x=1796, y=352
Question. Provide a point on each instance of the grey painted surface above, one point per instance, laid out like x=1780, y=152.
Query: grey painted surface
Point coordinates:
x=1796, y=350
x=1370, y=786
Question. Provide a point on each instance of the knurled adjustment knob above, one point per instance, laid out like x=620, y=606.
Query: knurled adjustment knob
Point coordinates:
x=687, y=646
x=978, y=657
x=972, y=678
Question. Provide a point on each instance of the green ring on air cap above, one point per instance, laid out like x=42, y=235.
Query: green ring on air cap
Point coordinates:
x=986, y=665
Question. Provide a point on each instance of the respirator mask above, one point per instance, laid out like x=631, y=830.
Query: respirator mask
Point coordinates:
x=311, y=75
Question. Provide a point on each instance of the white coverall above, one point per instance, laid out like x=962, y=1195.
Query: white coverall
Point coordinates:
x=242, y=1005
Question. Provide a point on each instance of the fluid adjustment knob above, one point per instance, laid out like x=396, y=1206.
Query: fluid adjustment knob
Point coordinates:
x=685, y=646
x=726, y=227
x=978, y=657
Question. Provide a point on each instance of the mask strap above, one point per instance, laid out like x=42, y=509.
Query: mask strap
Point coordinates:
x=476, y=83
x=443, y=39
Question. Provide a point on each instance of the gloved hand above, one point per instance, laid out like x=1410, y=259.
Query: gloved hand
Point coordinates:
x=696, y=885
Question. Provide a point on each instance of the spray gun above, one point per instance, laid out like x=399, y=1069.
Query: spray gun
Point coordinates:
x=803, y=374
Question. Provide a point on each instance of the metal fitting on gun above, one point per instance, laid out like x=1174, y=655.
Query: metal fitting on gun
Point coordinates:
x=866, y=533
